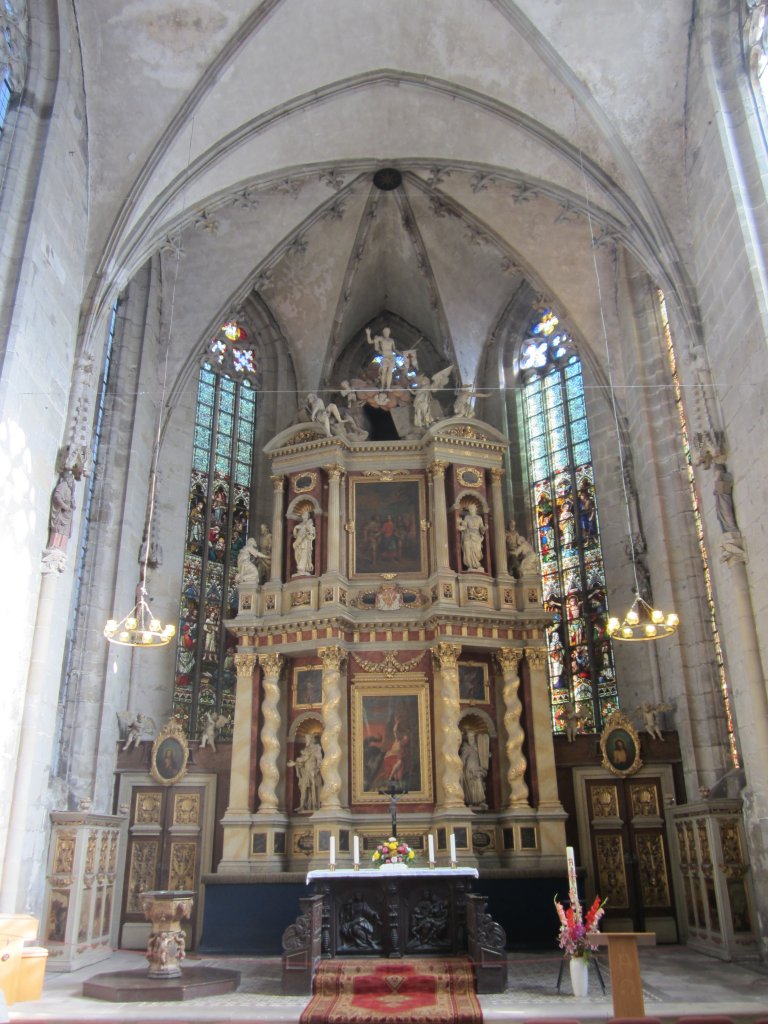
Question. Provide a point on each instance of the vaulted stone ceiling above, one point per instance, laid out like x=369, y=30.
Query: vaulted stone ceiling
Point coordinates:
x=245, y=137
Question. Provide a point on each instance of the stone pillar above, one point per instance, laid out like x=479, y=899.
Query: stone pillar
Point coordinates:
x=450, y=793
x=509, y=659
x=278, y=554
x=270, y=739
x=334, y=518
x=440, y=515
x=542, y=730
x=240, y=774
x=332, y=658
x=499, y=538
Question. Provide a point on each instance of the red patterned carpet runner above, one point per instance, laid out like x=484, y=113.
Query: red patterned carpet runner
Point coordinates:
x=394, y=992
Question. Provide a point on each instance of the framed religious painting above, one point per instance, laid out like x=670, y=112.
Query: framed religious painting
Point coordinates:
x=620, y=746
x=307, y=687
x=170, y=754
x=473, y=682
x=391, y=739
x=388, y=517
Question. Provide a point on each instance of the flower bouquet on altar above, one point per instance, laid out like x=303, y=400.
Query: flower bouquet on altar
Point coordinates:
x=393, y=854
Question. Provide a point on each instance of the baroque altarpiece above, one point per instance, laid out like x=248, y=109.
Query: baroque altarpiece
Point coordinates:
x=388, y=644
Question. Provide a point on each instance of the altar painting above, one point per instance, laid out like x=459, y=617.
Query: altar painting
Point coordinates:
x=391, y=740
x=388, y=535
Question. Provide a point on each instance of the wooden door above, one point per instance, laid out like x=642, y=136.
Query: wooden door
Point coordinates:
x=630, y=852
x=164, y=846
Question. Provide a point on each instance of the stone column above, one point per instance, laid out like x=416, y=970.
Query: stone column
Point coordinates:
x=450, y=793
x=334, y=518
x=270, y=739
x=440, y=515
x=240, y=774
x=278, y=554
x=542, y=730
x=332, y=658
x=509, y=659
x=499, y=538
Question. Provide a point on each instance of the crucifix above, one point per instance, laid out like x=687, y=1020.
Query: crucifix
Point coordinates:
x=393, y=791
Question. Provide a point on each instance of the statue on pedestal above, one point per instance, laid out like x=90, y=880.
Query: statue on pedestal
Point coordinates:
x=307, y=765
x=472, y=530
x=474, y=770
x=303, y=544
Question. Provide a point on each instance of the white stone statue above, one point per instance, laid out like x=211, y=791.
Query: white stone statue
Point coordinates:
x=522, y=560
x=323, y=414
x=136, y=727
x=474, y=770
x=252, y=564
x=211, y=725
x=464, y=405
x=265, y=543
x=650, y=713
x=307, y=765
x=303, y=544
x=572, y=719
x=472, y=530
x=422, y=399
x=384, y=345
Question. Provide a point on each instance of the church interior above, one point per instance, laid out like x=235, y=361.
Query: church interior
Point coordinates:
x=383, y=468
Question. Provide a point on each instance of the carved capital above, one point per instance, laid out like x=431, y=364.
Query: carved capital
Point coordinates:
x=334, y=472
x=497, y=475
x=437, y=469
x=278, y=483
x=271, y=664
x=509, y=659
x=332, y=657
x=245, y=664
x=537, y=658
x=447, y=655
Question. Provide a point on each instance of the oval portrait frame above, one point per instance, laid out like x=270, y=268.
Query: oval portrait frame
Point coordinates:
x=170, y=753
x=620, y=746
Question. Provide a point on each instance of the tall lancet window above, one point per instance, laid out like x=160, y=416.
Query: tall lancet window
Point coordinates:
x=581, y=666
x=218, y=514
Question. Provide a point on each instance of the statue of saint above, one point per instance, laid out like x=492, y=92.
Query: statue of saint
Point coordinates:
x=473, y=773
x=472, y=530
x=62, y=510
x=384, y=345
x=522, y=560
x=307, y=766
x=303, y=544
x=252, y=564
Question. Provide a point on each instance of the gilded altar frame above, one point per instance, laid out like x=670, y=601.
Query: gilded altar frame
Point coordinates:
x=388, y=516
x=170, y=753
x=620, y=746
x=391, y=738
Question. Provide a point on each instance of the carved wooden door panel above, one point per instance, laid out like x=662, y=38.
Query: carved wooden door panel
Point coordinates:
x=629, y=849
x=164, y=844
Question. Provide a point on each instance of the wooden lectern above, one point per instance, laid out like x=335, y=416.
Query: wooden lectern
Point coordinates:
x=624, y=965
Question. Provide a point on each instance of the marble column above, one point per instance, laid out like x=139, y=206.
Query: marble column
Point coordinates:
x=270, y=738
x=509, y=659
x=450, y=793
x=332, y=658
x=278, y=485
x=334, y=518
x=499, y=538
x=542, y=730
x=437, y=471
x=240, y=774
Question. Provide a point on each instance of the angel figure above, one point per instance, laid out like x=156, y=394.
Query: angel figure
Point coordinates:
x=134, y=727
x=650, y=713
x=572, y=719
x=464, y=405
x=422, y=402
x=211, y=725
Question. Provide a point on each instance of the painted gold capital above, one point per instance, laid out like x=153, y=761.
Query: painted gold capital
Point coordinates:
x=271, y=663
x=332, y=657
x=447, y=654
x=509, y=658
x=245, y=664
x=537, y=658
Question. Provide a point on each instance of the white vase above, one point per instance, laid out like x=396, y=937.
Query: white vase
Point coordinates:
x=579, y=967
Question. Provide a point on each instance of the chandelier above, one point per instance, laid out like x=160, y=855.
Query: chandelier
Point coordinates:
x=642, y=622
x=139, y=628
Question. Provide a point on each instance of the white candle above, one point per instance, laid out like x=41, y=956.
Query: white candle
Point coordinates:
x=356, y=850
x=453, y=848
x=332, y=850
x=573, y=888
x=431, y=848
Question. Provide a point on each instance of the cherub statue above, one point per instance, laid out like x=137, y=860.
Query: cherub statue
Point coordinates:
x=211, y=725
x=422, y=402
x=650, y=713
x=464, y=405
x=572, y=719
x=134, y=728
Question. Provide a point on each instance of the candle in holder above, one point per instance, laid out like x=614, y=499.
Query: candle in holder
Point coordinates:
x=453, y=849
x=356, y=851
x=332, y=852
x=431, y=848
x=573, y=886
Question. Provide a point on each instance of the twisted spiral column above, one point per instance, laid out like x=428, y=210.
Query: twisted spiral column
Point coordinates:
x=450, y=792
x=332, y=658
x=270, y=741
x=240, y=775
x=509, y=659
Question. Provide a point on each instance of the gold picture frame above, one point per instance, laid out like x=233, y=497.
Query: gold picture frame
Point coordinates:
x=620, y=746
x=170, y=753
x=388, y=536
x=474, y=682
x=391, y=739
x=308, y=686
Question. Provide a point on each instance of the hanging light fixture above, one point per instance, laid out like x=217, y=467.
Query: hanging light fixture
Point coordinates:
x=139, y=628
x=642, y=621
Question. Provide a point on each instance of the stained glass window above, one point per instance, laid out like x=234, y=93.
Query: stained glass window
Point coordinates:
x=580, y=656
x=218, y=515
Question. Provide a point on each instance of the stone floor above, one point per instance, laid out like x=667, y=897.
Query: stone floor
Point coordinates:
x=676, y=981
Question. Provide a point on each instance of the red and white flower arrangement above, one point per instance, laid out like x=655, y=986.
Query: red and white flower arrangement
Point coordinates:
x=573, y=937
x=392, y=852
